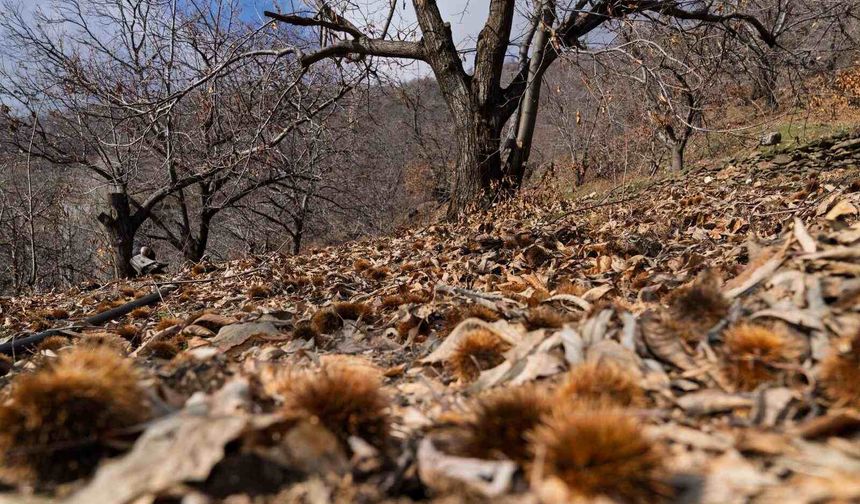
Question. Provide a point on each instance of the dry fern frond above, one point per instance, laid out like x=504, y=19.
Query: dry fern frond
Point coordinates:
x=503, y=420
x=840, y=375
x=479, y=349
x=601, y=382
x=347, y=399
x=600, y=452
x=754, y=353
x=56, y=425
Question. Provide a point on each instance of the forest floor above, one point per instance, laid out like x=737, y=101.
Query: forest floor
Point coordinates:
x=695, y=338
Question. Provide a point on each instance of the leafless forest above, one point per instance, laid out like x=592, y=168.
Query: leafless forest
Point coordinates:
x=207, y=129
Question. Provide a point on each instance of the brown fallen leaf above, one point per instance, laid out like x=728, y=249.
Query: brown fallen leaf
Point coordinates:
x=442, y=472
x=176, y=449
x=708, y=402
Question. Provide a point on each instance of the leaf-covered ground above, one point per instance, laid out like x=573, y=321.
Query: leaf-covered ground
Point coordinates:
x=693, y=339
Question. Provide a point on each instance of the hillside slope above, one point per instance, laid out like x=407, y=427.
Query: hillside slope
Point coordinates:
x=695, y=338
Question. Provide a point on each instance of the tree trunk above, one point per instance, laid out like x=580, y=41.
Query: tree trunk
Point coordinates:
x=530, y=101
x=121, y=228
x=678, y=157
x=478, y=172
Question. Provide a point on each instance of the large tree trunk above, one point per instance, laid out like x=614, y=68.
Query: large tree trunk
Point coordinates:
x=477, y=176
x=121, y=227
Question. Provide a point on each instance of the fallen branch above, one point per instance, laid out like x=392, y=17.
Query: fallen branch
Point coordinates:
x=17, y=345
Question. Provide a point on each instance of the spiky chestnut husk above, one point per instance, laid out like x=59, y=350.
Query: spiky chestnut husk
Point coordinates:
x=140, y=313
x=165, y=350
x=56, y=424
x=167, y=323
x=480, y=349
x=53, y=343
x=353, y=311
x=347, y=399
x=128, y=291
x=327, y=321
x=127, y=331
x=700, y=303
x=501, y=422
x=840, y=375
x=107, y=340
x=6, y=364
x=361, y=265
x=753, y=354
x=57, y=314
x=305, y=331
x=599, y=451
x=456, y=315
x=544, y=317
x=393, y=301
x=258, y=292
x=601, y=382
x=378, y=274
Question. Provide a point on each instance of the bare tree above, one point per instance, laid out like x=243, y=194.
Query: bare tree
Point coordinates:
x=479, y=104
x=168, y=108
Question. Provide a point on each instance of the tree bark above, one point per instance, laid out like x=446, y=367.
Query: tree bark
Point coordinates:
x=121, y=228
x=478, y=172
x=678, y=157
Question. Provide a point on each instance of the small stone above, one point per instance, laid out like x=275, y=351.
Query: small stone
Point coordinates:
x=772, y=138
x=782, y=159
